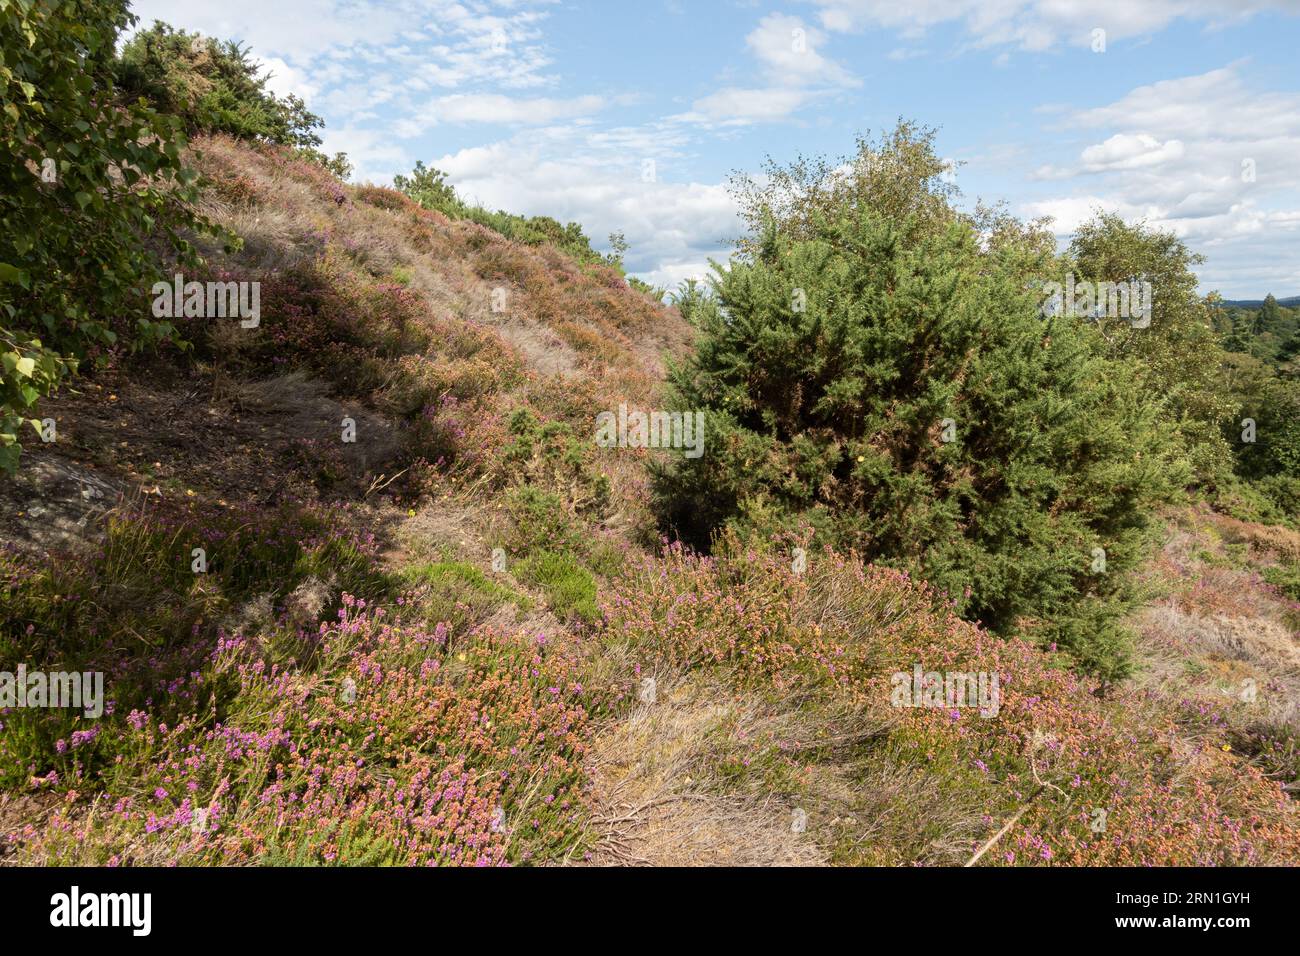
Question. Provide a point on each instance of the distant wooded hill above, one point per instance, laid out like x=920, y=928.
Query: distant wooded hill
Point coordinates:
x=1257, y=303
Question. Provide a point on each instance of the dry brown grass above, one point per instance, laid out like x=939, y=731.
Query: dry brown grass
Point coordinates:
x=1221, y=641
x=662, y=803
x=559, y=316
x=1269, y=540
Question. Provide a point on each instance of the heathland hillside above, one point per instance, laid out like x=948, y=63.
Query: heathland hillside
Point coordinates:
x=366, y=586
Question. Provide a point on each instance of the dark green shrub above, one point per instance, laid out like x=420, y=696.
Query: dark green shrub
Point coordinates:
x=212, y=86
x=876, y=370
x=429, y=187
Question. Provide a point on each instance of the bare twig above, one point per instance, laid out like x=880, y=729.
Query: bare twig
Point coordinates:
x=1005, y=827
x=376, y=486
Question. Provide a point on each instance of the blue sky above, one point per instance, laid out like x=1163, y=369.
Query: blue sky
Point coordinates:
x=630, y=116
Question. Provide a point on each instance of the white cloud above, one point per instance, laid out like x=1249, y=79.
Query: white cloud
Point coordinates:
x=738, y=106
x=794, y=72
x=1216, y=101
x=350, y=55
x=669, y=275
x=1130, y=151
x=572, y=175
x=1070, y=212
x=384, y=72
x=1037, y=24
x=496, y=108
x=296, y=30
x=787, y=48
x=1205, y=157
x=374, y=155
x=1121, y=151
x=283, y=79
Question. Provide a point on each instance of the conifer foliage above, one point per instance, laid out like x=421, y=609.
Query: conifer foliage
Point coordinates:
x=881, y=369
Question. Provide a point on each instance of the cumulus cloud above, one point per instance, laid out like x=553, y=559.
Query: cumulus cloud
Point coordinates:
x=788, y=49
x=283, y=79
x=571, y=175
x=1205, y=157
x=1070, y=212
x=1215, y=103
x=1130, y=151
x=374, y=154
x=792, y=69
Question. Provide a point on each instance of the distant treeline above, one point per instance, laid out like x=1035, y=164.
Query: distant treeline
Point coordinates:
x=1268, y=330
x=1290, y=302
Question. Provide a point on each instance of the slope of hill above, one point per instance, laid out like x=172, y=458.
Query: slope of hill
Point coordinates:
x=466, y=365
x=457, y=639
